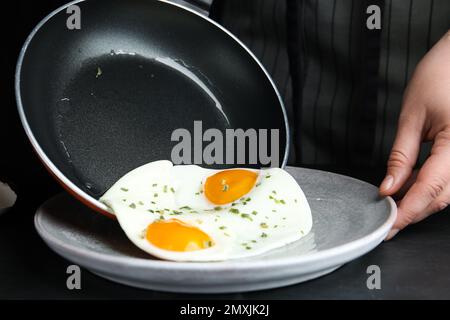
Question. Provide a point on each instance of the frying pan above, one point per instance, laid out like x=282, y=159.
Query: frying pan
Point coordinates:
x=99, y=101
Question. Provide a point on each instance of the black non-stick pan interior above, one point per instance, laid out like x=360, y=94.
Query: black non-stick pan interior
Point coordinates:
x=105, y=99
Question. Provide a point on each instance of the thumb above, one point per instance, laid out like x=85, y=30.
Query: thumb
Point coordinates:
x=403, y=155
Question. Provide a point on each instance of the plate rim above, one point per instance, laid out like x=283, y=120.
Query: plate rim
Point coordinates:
x=329, y=254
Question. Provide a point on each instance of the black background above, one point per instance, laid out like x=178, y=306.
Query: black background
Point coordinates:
x=18, y=164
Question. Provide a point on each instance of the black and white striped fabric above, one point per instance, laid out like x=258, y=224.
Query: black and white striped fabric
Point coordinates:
x=342, y=83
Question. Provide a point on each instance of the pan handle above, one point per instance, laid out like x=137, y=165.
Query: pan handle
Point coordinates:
x=201, y=6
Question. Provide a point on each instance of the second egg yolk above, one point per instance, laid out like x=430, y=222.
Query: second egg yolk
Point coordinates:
x=229, y=185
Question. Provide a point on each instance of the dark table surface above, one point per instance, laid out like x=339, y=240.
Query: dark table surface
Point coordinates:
x=415, y=265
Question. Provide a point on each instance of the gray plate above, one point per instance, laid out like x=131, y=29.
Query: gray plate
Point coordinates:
x=349, y=220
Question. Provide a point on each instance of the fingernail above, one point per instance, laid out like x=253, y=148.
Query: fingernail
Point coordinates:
x=388, y=182
x=391, y=234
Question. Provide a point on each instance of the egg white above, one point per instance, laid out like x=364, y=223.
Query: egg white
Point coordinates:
x=274, y=214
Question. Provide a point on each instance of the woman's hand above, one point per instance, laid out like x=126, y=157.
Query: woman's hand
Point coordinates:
x=425, y=116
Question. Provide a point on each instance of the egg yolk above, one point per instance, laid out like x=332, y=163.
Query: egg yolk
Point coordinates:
x=175, y=235
x=229, y=185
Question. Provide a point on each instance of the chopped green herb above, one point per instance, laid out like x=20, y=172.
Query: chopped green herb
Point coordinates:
x=246, y=216
x=264, y=225
x=172, y=190
x=254, y=213
x=141, y=203
x=154, y=185
x=155, y=195
x=282, y=202
x=218, y=209
x=222, y=228
x=248, y=248
x=225, y=188
x=185, y=208
x=274, y=192
x=132, y=206
x=165, y=189
x=152, y=211
x=124, y=189
x=208, y=244
x=235, y=211
x=263, y=235
x=268, y=176
x=258, y=184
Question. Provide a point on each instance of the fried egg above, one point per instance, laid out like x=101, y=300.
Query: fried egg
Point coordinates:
x=188, y=213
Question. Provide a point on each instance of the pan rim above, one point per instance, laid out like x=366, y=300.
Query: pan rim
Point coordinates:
x=54, y=170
